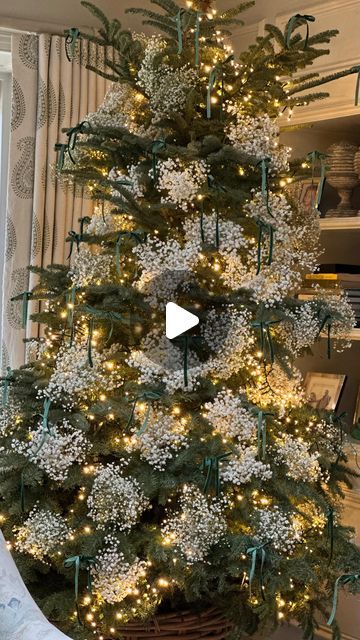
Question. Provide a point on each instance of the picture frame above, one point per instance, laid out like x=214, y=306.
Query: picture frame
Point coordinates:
x=308, y=193
x=357, y=408
x=323, y=390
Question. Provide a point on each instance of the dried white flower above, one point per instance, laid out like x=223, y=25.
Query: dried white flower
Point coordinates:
x=277, y=528
x=258, y=137
x=115, y=499
x=42, y=533
x=114, y=578
x=198, y=525
x=301, y=464
x=55, y=451
x=158, y=443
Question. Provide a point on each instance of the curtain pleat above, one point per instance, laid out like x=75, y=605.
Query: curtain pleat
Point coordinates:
x=49, y=93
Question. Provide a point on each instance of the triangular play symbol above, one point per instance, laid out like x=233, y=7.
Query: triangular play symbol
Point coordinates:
x=178, y=320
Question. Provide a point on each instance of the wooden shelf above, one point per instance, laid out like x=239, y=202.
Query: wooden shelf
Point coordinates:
x=327, y=224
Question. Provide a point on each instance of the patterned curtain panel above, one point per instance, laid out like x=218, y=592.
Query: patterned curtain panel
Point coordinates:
x=49, y=93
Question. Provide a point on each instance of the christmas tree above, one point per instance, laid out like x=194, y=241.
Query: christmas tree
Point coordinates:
x=139, y=474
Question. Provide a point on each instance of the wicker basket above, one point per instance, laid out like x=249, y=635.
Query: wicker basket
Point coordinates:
x=172, y=626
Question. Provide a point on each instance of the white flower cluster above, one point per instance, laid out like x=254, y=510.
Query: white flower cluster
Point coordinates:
x=10, y=418
x=328, y=437
x=103, y=221
x=182, y=183
x=89, y=269
x=244, y=467
x=168, y=259
x=301, y=464
x=56, y=451
x=115, y=499
x=300, y=330
x=163, y=436
x=230, y=419
x=343, y=317
x=42, y=533
x=73, y=375
x=114, y=578
x=276, y=527
x=258, y=136
x=294, y=253
x=279, y=389
x=135, y=178
x=160, y=361
x=35, y=349
x=117, y=109
x=228, y=334
x=166, y=87
x=197, y=526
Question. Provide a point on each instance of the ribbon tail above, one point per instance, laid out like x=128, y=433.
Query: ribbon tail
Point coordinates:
x=217, y=230
x=334, y=607
x=186, y=358
x=202, y=223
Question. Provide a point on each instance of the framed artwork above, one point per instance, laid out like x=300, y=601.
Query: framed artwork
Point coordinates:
x=308, y=193
x=357, y=408
x=323, y=390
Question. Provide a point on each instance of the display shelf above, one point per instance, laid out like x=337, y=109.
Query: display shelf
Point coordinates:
x=327, y=224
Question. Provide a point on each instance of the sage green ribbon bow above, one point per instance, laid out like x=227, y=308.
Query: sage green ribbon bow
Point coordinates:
x=211, y=464
x=70, y=301
x=61, y=148
x=330, y=531
x=148, y=397
x=197, y=37
x=138, y=236
x=156, y=146
x=111, y=316
x=261, y=432
x=216, y=74
x=212, y=184
x=77, y=238
x=264, y=327
x=264, y=165
x=179, y=27
x=45, y=428
x=294, y=21
x=74, y=238
x=346, y=578
x=313, y=157
x=83, y=221
x=85, y=563
x=73, y=133
x=326, y=322
x=25, y=307
x=254, y=552
x=264, y=228
x=6, y=386
x=45, y=415
x=337, y=421
x=72, y=36
x=89, y=342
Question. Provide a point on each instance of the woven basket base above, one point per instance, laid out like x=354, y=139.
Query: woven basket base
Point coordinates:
x=173, y=626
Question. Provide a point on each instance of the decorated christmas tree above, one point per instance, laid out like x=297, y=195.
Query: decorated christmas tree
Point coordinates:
x=142, y=476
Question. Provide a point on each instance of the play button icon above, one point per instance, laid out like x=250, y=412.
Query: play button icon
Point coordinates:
x=178, y=320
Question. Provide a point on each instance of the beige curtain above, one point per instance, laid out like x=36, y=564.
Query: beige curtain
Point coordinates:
x=49, y=93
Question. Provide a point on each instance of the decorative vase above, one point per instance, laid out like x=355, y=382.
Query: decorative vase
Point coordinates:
x=343, y=177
